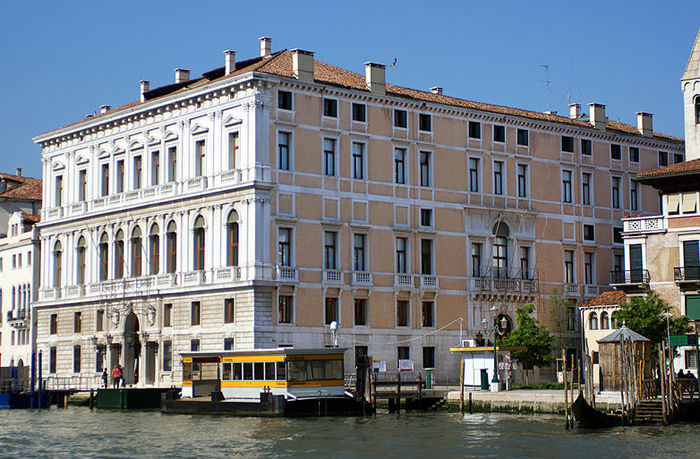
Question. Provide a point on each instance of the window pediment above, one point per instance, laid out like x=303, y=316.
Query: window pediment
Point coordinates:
x=199, y=129
x=231, y=120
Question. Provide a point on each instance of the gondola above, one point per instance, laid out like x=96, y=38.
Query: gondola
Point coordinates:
x=588, y=417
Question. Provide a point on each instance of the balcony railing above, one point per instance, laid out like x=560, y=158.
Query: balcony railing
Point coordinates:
x=333, y=276
x=591, y=291
x=361, y=278
x=287, y=273
x=686, y=274
x=403, y=280
x=653, y=224
x=428, y=282
x=629, y=277
x=503, y=280
x=572, y=289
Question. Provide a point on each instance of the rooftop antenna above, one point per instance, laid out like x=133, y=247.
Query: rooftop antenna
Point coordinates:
x=546, y=85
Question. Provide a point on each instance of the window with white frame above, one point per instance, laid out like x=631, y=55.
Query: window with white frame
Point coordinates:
x=284, y=246
x=522, y=180
x=104, y=185
x=569, y=267
x=615, y=186
x=474, y=174
x=634, y=196
x=359, y=252
x=137, y=172
x=199, y=157
x=588, y=270
x=586, y=188
x=400, y=166
x=498, y=177
x=426, y=256
x=330, y=108
x=359, y=112
x=329, y=157
x=400, y=118
x=58, y=191
x=283, y=155
x=401, y=255
x=234, y=150
x=82, y=185
x=523, y=137
x=172, y=164
x=358, y=160
x=566, y=186
x=476, y=259
x=425, y=122
x=425, y=167
x=329, y=249
x=120, y=176
x=499, y=133
x=155, y=167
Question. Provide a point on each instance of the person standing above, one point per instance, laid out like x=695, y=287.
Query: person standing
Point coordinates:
x=116, y=375
x=104, y=378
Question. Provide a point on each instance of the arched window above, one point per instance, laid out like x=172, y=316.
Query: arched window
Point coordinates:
x=104, y=256
x=171, y=246
x=80, y=260
x=500, y=250
x=232, y=239
x=154, y=248
x=199, y=244
x=136, y=254
x=604, y=321
x=593, y=321
x=697, y=109
x=613, y=320
x=57, y=263
x=119, y=255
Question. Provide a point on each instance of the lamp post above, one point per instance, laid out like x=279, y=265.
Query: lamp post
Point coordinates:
x=500, y=330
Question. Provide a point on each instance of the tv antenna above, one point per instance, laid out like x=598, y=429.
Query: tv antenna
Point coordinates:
x=546, y=85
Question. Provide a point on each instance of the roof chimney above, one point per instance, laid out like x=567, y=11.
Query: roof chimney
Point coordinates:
x=105, y=108
x=182, y=75
x=436, y=90
x=18, y=172
x=265, y=46
x=375, y=76
x=144, y=84
x=644, y=124
x=597, y=116
x=230, y=59
x=574, y=111
x=303, y=65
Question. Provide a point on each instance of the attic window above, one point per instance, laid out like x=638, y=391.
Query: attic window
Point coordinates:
x=284, y=100
x=330, y=108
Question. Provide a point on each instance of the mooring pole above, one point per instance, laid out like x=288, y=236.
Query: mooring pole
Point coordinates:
x=32, y=401
x=461, y=387
x=566, y=392
x=41, y=385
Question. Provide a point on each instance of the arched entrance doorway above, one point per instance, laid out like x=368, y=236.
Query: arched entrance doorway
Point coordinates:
x=132, y=349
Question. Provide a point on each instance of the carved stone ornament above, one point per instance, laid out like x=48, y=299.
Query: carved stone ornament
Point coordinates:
x=151, y=315
x=115, y=317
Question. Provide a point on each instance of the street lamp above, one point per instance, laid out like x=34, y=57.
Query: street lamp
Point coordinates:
x=500, y=330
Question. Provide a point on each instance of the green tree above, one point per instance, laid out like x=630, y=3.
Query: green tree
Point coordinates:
x=534, y=337
x=647, y=316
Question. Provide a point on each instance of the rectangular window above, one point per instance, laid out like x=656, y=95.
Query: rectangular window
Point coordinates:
x=402, y=353
x=617, y=262
x=617, y=235
x=59, y=191
x=285, y=248
x=588, y=232
x=199, y=156
x=105, y=180
x=400, y=118
x=424, y=168
x=402, y=313
x=586, y=148
x=428, y=314
x=615, y=151
x=285, y=309
x=425, y=122
x=499, y=133
x=229, y=311
x=155, y=168
x=359, y=242
x=426, y=256
x=566, y=186
x=77, y=322
x=474, y=130
x=329, y=156
x=569, y=267
x=567, y=144
x=400, y=166
x=634, y=198
x=137, y=172
x=523, y=137
x=120, y=176
x=525, y=263
x=330, y=240
x=53, y=324
x=234, y=151
x=677, y=158
x=360, y=311
x=426, y=217
x=284, y=100
x=100, y=320
x=82, y=185
x=522, y=180
x=476, y=259
x=283, y=150
x=228, y=344
x=474, y=174
x=331, y=310
x=359, y=112
x=52, y=359
x=330, y=108
x=663, y=158
x=172, y=164
x=588, y=268
x=401, y=261
x=428, y=357
x=634, y=154
x=358, y=160
x=195, y=313
x=498, y=177
x=691, y=360
x=167, y=315
x=99, y=360
x=76, y=358
x=586, y=188
x=194, y=345
x=615, y=184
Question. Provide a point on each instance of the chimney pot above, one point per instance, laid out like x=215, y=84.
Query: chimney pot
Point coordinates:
x=105, y=108
x=303, y=65
x=375, y=76
x=182, y=75
x=18, y=172
x=144, y=85
x=436, y=90
x=644, y=124
x=230, y=58
x=574, y=111
x=597, y=116
x=265, y=46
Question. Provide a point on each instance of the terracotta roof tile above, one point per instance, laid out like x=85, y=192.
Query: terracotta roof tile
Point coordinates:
x=610, y=298
x=679, y=169
x=28, y=188
x=31, y=218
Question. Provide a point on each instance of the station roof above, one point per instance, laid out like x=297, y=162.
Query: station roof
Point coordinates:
x=622, y=332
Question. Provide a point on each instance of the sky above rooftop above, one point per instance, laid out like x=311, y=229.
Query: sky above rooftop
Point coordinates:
x=62, y=60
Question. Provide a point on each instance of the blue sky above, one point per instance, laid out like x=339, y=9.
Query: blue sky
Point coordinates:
x=61, y=60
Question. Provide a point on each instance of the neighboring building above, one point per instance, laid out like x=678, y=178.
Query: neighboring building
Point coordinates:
x=18, y=194
x=257, y=204
x=598, y=316
x=19, y=271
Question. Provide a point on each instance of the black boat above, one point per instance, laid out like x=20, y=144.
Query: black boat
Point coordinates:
x=588, y=417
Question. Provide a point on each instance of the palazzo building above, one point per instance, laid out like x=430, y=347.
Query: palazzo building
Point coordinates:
x=259, y=203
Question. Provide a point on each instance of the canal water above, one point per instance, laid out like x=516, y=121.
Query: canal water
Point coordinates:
x=79, y=432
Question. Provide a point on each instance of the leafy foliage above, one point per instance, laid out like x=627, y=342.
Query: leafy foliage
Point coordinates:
x=646, y=316
x=533, y=337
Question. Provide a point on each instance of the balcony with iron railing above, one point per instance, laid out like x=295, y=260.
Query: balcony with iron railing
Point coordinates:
x=644, y=225
x=687, y=276
x=17, y=318
x=506, y=281
x=630, y=280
